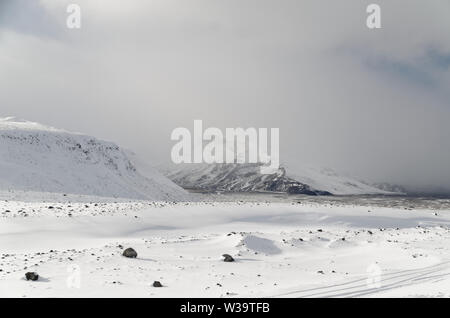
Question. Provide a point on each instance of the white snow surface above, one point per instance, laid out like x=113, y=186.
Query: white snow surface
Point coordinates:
x=38, y=158
x=281, y=250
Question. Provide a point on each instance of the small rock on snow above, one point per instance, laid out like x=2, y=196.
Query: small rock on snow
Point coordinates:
x=32, y=276
x=157, y=284
x=228, y=258
x=130, y=253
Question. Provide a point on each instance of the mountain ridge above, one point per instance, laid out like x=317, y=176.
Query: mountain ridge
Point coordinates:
x=39, y=158
x=247, y=178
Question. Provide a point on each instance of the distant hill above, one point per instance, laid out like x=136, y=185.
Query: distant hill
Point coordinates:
x=38, y=158
x=247, y=178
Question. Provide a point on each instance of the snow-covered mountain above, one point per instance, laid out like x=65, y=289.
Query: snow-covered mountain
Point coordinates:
x=235, y=178
x=329, y=180
x=247, y=178
x=391, y=187
x=38, y=158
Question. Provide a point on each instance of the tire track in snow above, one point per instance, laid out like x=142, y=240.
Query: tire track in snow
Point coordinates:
x=390, y=281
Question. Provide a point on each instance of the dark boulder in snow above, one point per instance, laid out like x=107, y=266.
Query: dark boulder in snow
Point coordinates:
x=130, y=253
x=157, y=284
x=32, y=276
x=227, y=258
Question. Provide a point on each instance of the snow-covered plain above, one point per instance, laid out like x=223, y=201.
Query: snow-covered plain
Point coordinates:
x=282, y=248
x=70, y=204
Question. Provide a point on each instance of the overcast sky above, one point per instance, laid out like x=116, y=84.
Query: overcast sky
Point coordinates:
x=373, y=103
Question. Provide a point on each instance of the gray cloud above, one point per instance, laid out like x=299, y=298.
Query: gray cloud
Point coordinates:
x=403, y=71
x=370, y=102
x=423, y=70
x=438, y=59
x=27, y=17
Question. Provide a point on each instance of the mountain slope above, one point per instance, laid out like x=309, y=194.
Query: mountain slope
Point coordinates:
x=235, y=178
x=247, y=178
x=34, y=157
x=328, y=180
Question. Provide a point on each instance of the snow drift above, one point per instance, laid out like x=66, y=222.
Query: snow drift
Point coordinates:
x=38, y=158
